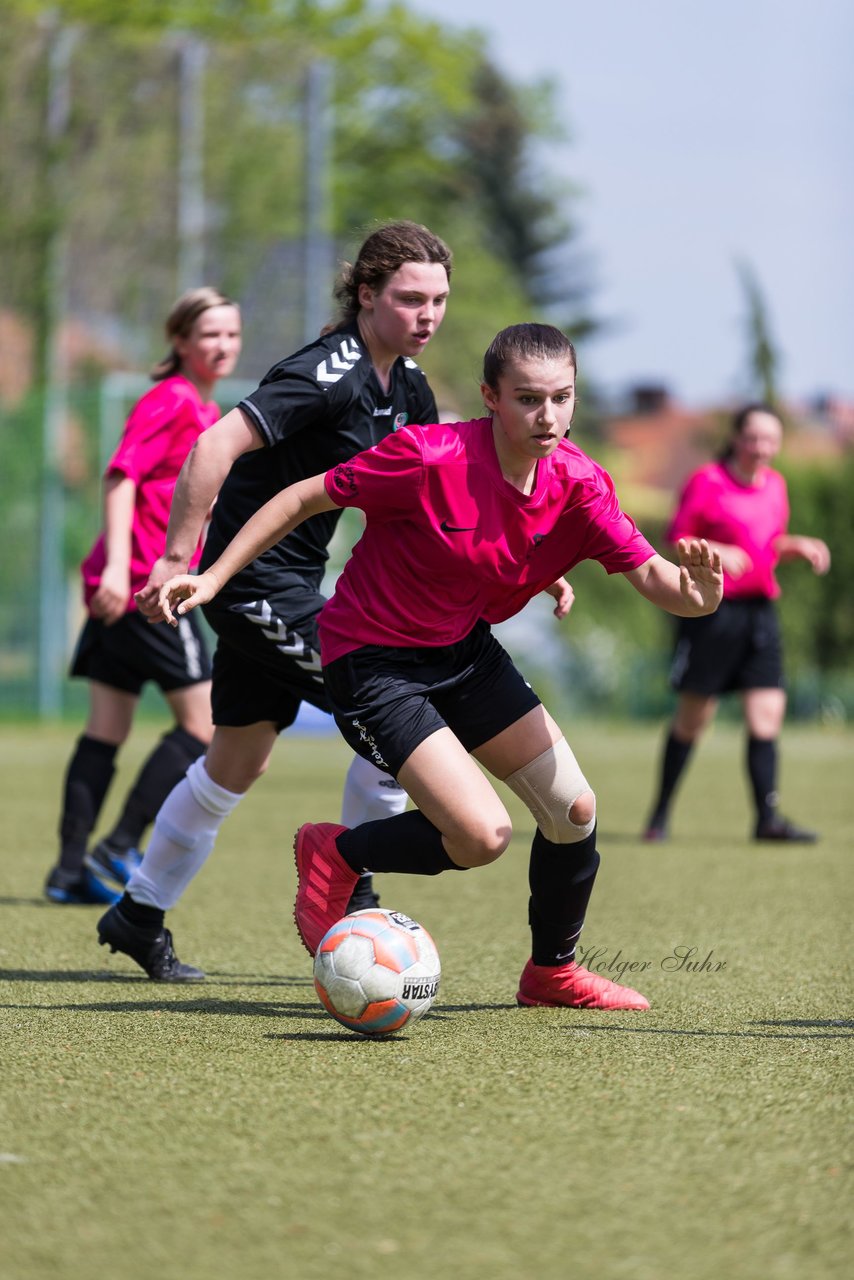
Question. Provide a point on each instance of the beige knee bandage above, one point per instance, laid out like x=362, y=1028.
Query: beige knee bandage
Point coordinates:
x=549, y=786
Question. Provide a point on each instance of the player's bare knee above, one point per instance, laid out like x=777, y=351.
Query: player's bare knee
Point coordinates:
x=260, y=768
x=241, y=774
x=485, y=844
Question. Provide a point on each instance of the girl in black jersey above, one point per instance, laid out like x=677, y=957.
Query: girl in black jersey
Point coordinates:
x=316, y=408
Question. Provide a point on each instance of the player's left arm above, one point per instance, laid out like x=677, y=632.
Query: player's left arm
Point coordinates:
x=690, y=589
x=272, y=522
x=795, y=546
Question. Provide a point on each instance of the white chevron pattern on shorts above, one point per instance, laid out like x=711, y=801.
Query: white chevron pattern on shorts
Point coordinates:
x=285, y=639
x=338, y=363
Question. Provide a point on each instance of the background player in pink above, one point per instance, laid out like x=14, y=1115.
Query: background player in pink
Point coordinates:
x=740, y=505
x=465, y=523
x=117, y=651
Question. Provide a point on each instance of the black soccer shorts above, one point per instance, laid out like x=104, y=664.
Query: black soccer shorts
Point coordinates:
x=130, y=652
x=267, y=658
x=388, y=700
x=737, y=647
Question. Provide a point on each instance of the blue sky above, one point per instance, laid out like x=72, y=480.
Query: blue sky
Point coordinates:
x=701, y=133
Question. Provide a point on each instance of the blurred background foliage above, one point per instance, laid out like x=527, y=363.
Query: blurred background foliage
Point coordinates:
x=422, y=125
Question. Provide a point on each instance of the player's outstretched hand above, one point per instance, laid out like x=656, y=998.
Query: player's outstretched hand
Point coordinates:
x=182, y=593
x=701, y=578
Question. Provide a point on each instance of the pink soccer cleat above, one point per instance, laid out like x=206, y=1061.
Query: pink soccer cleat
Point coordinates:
x=324, y=882
x=573, y=987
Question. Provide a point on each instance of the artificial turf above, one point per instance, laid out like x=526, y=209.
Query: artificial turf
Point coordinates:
x=233, y=1129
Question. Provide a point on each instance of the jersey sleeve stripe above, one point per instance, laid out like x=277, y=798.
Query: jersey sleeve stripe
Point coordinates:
x=247, y=407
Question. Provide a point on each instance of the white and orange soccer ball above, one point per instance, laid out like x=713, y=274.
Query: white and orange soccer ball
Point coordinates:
x=377, y=971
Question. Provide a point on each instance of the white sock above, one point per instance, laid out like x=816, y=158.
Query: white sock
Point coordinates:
x=369, y=794
x=184, y=833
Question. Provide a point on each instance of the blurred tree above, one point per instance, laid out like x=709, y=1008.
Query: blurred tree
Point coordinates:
x=763, y=359
x=424, y=127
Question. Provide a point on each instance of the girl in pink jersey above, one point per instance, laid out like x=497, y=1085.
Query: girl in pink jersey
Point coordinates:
x=465, y=523
x=117, y=651
x=741, y=506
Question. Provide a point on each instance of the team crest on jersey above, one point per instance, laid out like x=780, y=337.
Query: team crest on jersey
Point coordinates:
x=345, y=476
x=400, y=420
x=339, y=362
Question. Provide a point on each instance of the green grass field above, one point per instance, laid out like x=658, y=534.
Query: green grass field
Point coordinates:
x=234, y=1130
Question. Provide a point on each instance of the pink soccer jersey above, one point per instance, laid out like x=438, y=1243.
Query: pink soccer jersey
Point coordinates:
x=716, y=505
x=460, y=543
x=162, y=428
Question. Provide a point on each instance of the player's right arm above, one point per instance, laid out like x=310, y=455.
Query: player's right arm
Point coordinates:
x=110, y=600
x=272, y=522
x=200, y=480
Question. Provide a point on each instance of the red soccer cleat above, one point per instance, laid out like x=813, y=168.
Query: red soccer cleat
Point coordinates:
x=324, y=882
x=573, y=987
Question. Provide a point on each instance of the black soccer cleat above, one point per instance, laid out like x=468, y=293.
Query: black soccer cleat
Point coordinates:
x=364, y=897
x=781, y=829
x=151, y=949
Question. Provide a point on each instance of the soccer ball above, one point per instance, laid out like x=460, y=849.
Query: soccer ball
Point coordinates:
x=377, y=971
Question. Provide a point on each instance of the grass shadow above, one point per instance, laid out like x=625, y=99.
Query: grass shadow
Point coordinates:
x=229, y=1008
x=43, y=902
x=108, y=975
x=471, y=1008
x=836, y=1030
x=334, y=1037
x=66, y=975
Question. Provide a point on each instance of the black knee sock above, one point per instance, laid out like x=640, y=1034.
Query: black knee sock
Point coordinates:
x=561, y=878
x=160, y=773
x=407, y=843
x=140, y=913
x=87, y=780
x=673, y=762
x=762, y=769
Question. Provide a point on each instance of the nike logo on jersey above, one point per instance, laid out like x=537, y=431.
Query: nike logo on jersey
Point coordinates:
x=457, y=528
x=535, y=542
x=333, y=368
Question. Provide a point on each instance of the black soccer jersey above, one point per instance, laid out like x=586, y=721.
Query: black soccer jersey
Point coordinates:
x=314, y=409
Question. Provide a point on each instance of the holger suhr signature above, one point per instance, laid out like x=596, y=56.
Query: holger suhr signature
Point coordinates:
x=680, y=959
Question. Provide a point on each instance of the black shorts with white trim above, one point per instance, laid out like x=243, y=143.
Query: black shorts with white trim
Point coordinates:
x=737, y=647
x=386, y=701
x=127, y=654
